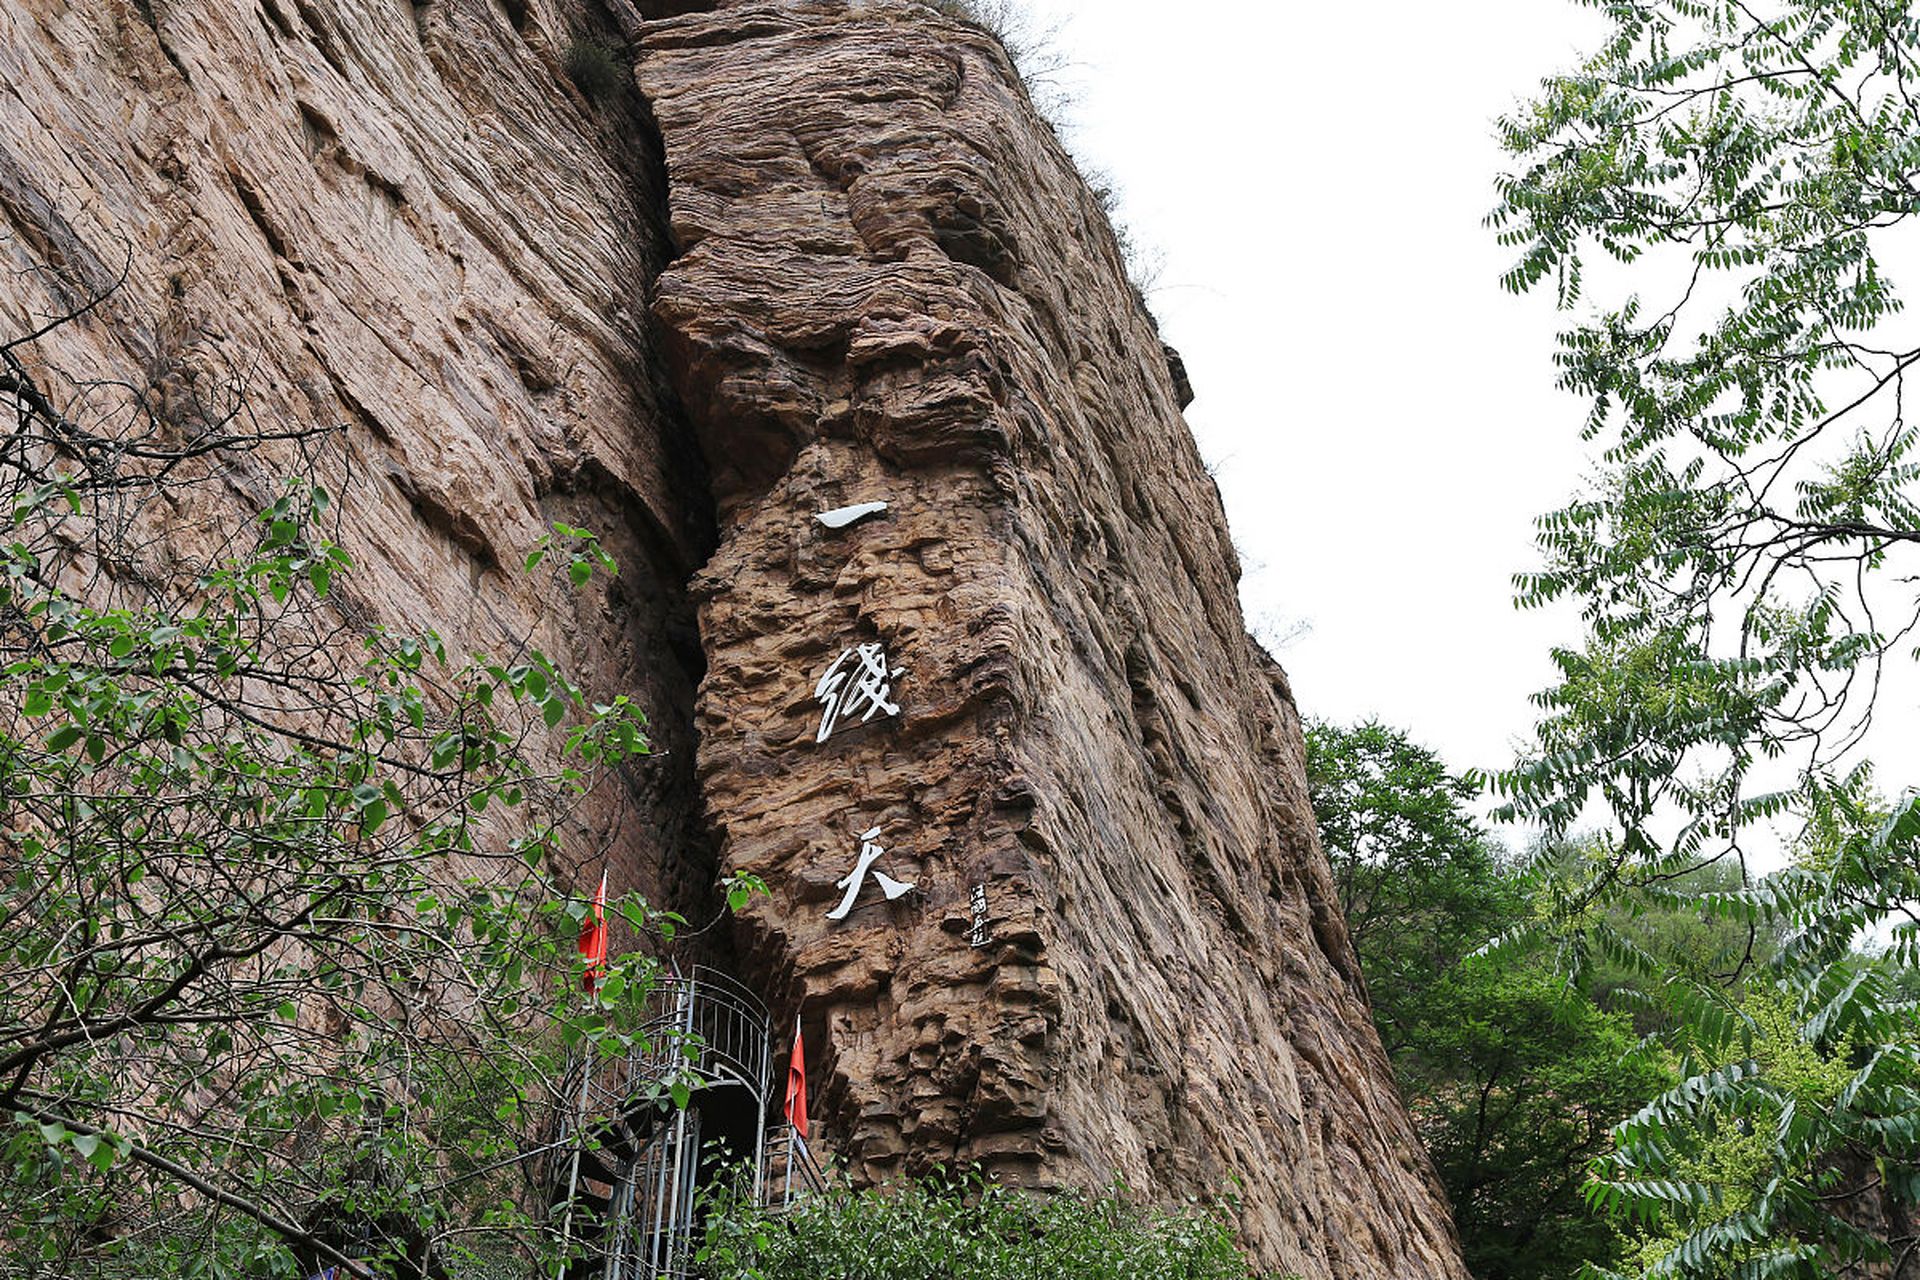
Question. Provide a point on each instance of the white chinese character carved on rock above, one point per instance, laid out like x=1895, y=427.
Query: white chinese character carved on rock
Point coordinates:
x=841, y=517
x=870, y=852
x=861, y=688
x=977, y=933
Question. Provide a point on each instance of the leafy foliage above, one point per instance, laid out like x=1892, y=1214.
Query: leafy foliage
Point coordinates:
x=1742, y=566
x=1513, y=1079
x=1515, y=1085
x=965, y=1229
x=286, y=979
x=1418, y=881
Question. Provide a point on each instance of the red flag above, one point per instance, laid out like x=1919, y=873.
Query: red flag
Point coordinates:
x=797, y=1084
x=593, y=938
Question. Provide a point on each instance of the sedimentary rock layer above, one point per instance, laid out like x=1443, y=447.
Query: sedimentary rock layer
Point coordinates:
x=891, y=284
x=403, y=220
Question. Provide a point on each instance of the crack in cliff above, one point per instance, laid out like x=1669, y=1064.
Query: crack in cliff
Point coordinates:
x=693, y=878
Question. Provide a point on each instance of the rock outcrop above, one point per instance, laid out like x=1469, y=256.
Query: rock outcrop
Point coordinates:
x=892, y=285
x=840, y=237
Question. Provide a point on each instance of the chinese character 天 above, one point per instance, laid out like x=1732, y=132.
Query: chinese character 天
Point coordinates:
x=870, y=852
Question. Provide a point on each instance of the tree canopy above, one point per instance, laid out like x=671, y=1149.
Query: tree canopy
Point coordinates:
x=1513, y=1079
x=1715, y=193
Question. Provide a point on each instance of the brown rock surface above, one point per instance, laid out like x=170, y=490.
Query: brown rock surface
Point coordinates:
x=893, y=285
x=401, y=216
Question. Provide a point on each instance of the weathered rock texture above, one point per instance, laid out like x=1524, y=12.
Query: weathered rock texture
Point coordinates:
x=893, y=285
x=868, y=271
x=402, y=219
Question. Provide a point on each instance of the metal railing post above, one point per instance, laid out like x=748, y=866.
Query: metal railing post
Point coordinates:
x=573, y=1175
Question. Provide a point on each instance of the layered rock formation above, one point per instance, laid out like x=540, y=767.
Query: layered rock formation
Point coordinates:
x=405, y=221
x=869, y=272
x=892, y=285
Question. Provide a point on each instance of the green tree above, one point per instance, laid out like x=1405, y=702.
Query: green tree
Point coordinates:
x=1516, y=1087
x=1742, y=562
x=286, y=978
x=1513, y=1078
x=1418, y=881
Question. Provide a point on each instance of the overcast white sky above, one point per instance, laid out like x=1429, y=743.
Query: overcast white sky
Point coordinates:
x=1381, y=417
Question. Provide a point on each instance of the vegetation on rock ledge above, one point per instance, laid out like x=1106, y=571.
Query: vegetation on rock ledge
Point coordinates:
x=967, y=1229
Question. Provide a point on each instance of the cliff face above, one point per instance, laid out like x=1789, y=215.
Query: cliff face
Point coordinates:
x=869, y=273
x=402, y=220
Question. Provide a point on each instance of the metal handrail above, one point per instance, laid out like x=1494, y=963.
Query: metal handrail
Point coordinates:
x=791, y=1173
x=711, y=1025
x=706, y=1024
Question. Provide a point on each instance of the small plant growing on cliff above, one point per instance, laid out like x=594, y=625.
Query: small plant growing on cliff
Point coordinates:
x=1033, y=49
x=991, y=16
x=596, y=68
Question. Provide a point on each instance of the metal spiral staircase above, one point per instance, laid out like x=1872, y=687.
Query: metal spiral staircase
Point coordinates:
x=638, y=1170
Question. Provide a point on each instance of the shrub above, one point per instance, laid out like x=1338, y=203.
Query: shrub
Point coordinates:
x=596, y=68
x=966, y=1228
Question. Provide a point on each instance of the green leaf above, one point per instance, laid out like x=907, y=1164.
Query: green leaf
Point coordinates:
x=102, y=1157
